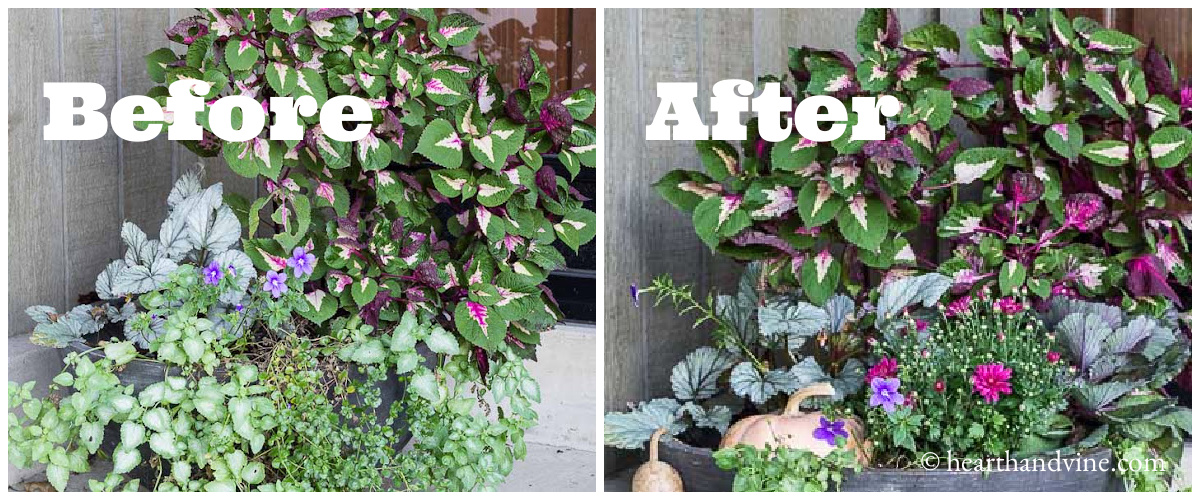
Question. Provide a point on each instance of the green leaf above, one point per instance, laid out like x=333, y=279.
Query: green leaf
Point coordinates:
x=1116, y=42
x=426, y=386
x=817, y=203
x=282, y=78
x=1108, y=152
x=57, y=475
x=576, y=228
x=581, y=104
x=479, y=325
x=442, y=342
x=973, y=164
x=441, y=144
x=288, y=20
x=240, y=54
x=819, y=277
x=1100, y=85
x=719, y=158
x=793, y=153
x=454, y=30
x=864, y=222
x=933, y=38
x=1012, y=277
x=125, y=459
x=1065, y=139
x=1170, y=146
x=745, y=380
x=935, y=107
x=364, y=291
x=719, y=217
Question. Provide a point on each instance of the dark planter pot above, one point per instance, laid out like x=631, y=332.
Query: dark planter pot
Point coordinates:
x=141, y=374
x=700, y=473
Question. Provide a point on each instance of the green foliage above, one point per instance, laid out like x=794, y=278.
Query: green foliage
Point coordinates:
x=786, y=469
x=945, y=410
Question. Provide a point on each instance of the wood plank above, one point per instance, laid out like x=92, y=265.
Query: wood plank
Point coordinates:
x=670, y=50
x=92, y=198
x=36, y=246
x=624, y=357
x=583, y=49
x=725, y=52
x=146, y=167
x=1170, y=29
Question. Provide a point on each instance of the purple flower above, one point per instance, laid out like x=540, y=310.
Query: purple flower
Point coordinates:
x=829, y=431
x=301, y=262
x=213, y=273
x=633, y=294
x=885, y=392
x=276, y=283
x=239, y=307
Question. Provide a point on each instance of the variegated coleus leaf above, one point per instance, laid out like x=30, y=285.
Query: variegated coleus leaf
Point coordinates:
x=819, y=277
x=334, y=154
x=962, y=219
x=576, y=228
x=818, y=203
x=720, y=217
x=454, y=30
x=793, y=154
x=719, y=158
x=877, y=29
x=1103, y=89
x=241, y=54
x=934, y=107
x=493, y=190
x=441, y=144
x=766, y=199
x=282, y=78
x=1065, y=139
x=934, y=38
x=990, y=46
x=685, y=189
x=1108, y=152
x=864, y=222
x=493, y=148
x=580, y=104
x=446, y=88
x=1040, y=92
x=1170, y=146
x=1112, y=41
x=373, y=152
x=480, y=325
x=973, y=164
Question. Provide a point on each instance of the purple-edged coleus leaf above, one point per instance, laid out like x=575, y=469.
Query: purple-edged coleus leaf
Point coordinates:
x=770, y=201
x=877, y=29
x=1112, y=41
x=818, y=203
x=333, y=195
x=891, y=149
x=819, y=277
x=832, y=80
x=372, y=152
x=793, y=153
x=188, y=30
x=864, y=222
x=934, y=38
x=1148, y=278
x=1107, y=152
x=967, y=87
x=1170, y=146
x=846, y=176
x=687, y=188
x=1065, y=139
x=719, y=217
x=973, y=164
x=556, y=119
x=441, y=144
x=477, y=323
x=1099, y=84
x=720, y=159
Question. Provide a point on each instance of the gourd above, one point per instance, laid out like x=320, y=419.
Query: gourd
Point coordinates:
x=655, y=475
x=794, y=428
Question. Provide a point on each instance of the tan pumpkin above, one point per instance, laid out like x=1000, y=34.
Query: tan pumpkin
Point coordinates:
x=794, y=428
x=655, y=475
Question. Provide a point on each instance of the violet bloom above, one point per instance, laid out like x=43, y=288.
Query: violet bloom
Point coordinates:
x=991, y=380
x=239, y=307
x=213, y=273
x=633, y=294
x=829, y=431
x=301, y=262
x=276, y=283
x=885, y=392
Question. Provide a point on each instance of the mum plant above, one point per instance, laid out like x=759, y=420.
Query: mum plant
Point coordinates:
x=447, y=211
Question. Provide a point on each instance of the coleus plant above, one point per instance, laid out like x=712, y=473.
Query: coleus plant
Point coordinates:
x=1096, y=199
x=446, y=207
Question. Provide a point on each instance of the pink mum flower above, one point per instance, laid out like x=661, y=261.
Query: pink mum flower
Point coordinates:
x=991, y=381
x=1053, y=357
x=1008, y=305
x=958, y=306
x=885, y=368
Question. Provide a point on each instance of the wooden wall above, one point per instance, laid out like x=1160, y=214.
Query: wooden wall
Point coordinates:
x=67, y=199
x=644, y=235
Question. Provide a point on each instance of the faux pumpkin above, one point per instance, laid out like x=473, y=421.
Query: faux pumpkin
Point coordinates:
x=655, y=475
x=794, y=428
